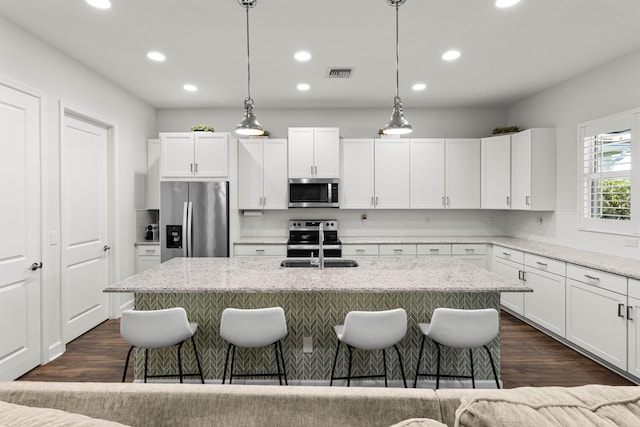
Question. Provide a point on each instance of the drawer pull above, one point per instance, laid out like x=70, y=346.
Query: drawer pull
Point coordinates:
x=541, y=264
x=434, y=250
x=359, y=251
x=592, y=277
x=150, y=251
x=397, y=250
x=260, y=251
x=470, y=250
x=620, y=309
x=506, y=254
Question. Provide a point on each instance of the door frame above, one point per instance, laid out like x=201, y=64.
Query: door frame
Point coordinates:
x=42, y=152
x=66, y=108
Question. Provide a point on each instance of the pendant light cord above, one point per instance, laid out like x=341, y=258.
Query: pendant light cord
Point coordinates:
x=248, y=58
x=397, y=53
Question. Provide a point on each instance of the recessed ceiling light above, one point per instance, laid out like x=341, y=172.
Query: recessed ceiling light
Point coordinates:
x=451, y=55
x=190, y=87
x=303, y=86
x=419, y=86
x=100, y=4
x=302, y=56
x=506, y=3
x=156, y=56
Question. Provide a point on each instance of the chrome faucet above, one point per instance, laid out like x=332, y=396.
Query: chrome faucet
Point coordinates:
x=321, y=246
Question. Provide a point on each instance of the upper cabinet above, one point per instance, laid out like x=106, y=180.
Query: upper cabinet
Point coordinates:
x=262, y=174
x=462, y=173
x=392, y=173
x=427, y=174
x=314, y=152
x=519, y=171
x=356, y=174
x=194, y=155
x=533, y=170
x=495, y=180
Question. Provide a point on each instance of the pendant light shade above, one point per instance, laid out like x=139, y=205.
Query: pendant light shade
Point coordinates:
x=249, y=124
x=398, y=125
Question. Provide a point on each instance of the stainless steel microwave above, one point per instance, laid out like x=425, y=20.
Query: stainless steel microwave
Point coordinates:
x=313, y=192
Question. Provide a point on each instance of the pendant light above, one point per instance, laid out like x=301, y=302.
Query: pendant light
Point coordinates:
x=398, y=125
x=249, y=124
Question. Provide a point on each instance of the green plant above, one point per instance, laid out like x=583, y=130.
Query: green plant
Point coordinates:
x=616, y=200
x=202, y=128
x=380, y=131
x=506, y=129
x=266, y=133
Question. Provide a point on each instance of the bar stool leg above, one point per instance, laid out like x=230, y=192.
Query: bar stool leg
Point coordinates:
x=193, y=342
x=226, y=363
x=284, y=368
x=404, y=380
x=126, y=364
x=349, y=369
x=275, y=349
x=233, y=359
x=384, y=363
x=335, y=360
x=146, y=359
x=493, y=367
x=415, y=382
x=180, y=362
x=438, y=367
x=473, y=379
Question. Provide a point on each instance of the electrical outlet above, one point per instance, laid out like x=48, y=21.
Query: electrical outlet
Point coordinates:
x=307, y=345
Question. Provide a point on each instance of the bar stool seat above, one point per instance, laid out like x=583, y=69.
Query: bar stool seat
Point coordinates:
x=152, y=329
x=371, y=330
x=253, y=328
x=463, y=329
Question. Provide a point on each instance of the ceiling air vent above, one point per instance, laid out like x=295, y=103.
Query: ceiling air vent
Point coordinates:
x=339, y=72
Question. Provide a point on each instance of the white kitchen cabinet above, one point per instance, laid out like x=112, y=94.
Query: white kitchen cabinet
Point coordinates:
x=314, y=152
x=397, y=250
x=392, y=173
x=194, y=154
x=633, y=328
x=545, y=306
x=462, y=173
x=357, y=189
x=495, y=172
x=533, y=170
x=359, y=250
x=260, y=250
x=510, y=263
x=433, y=250
x=262, y=174
x=147, y=257
x=153, y=174
x=473, y=253
x=427, y=173
x=596, y=315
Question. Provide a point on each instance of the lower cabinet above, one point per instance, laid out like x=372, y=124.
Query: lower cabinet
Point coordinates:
x=546, y=304
x=260, y=250
x=473, y=253
x=633, y=328
x=397, y=250
x=359, y=250
x=596, y=321
x=509, y=263
x=147, y=257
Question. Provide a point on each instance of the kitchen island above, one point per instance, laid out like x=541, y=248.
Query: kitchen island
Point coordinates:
x=314, y=300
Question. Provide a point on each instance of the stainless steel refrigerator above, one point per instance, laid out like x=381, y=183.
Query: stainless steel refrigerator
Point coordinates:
x=194, y=219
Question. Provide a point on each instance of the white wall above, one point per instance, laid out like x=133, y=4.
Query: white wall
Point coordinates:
x=32, y=63
x=603, y=91
x=354, y=123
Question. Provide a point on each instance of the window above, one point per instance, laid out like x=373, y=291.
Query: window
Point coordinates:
x=607, y=174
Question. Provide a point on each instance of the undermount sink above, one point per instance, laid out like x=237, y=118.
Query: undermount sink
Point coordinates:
x=328, y=263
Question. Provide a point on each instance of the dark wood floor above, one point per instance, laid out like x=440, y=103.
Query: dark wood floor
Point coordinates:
x=529, y=358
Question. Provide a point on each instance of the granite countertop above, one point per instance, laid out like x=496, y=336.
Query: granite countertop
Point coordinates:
x=627, y=267
x=258, y=274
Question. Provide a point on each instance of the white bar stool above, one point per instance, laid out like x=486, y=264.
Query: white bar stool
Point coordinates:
x=158, y=329
x=371, y=330
x=252, y=328
x=465, y=329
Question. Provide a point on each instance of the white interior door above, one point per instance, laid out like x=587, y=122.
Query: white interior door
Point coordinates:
x=20, y=331
x=85, y=246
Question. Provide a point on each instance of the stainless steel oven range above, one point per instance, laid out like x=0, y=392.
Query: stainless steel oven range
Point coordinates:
x=304, y=234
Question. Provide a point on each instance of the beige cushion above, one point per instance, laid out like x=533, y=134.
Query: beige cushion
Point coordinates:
x=12, y=415
x=592, y=405
x=419, y=422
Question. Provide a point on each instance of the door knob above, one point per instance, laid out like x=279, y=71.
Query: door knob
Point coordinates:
x=106, y=248
x=35, y=266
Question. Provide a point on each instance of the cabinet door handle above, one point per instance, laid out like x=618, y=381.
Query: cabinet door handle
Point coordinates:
x=196, y=167
x=376, y=200
x=264, y=201
x=508, y=201
x=191, y=167
x=443, y=201
x=315, y=168
x=447, y=200
x=524, y=277
x=620, y=309
x=520, y=275
x=592, y=277
x=629, y=312
x=527, y=200
x=372, y=202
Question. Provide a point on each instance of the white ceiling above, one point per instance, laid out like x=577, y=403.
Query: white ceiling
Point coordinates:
x=507, y=54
